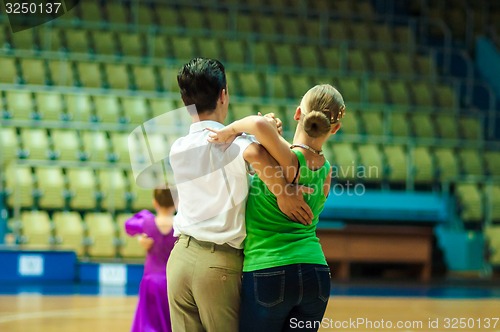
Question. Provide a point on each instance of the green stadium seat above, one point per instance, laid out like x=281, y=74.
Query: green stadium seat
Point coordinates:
x=239, y=111
x=403, y=35
x=380, y=62
x=141, y=198
x=157, y=46
x=36, y=229
x=283, y=113
x=103, y=42
x=309, y=57
x=91, y=11
x=360, y=32
x=350, y=88
x=290, y=27
x=250, y=84
x=20, y=104
x=446, y=163
x=66, y=144
x=182, y=48
x=144, y=78
x=373, y=123
x=398, y=92
x=244, y=24
x=9, y=146
x=447, y=125
x=82, y=187
x=396, y=163
x=19, y=185
x=364, y=9
x=102, y=234
x=209, y=48
x=33, y=71
x=167, y=16
x=218, y=21
x=470, y=202
x=403, y=64
x=50, y=105
x=284, y=55
x=422, y=94
x=135, y=109
x=192, y=19
x=35, y=143
x=492, y=160
x=493, y=194
x=168, y=78
x=424, y=169
x=277, y=86
x=79, y=107
x=376, y=92
x=8, y=74
x=371, y=160
x=471, y=161
x=299, y=85
x=89, y=74
x=142, y=15
x=344, y=7
x=338, y=31
x=131, y=44
x=108, y=109
x=96, y=145
x=492, y=235
x=422, y=125
x=51, y=186
x=70, y=234
x=345, y=162
x=119, y=144
x=312, y=28
x=382, y=35
x=61, y=72
x=399, y=124
x=445, y=96
x=267, y=25
x=117, y=13
x=234, y=51
x=113, y=187
x=117, y=76
x=24, y=40
x=470, y=128
x=426, y=66
x=130, y=246
x=350, y=123
x=330, y=59
x=261, y=54
x=77, y=41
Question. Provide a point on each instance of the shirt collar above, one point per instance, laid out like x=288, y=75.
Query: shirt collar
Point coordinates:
x=201, y=125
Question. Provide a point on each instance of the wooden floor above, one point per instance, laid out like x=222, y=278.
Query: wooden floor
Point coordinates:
x=32, y=313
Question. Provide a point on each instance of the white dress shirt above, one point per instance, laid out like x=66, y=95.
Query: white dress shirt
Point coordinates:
x=212, y=184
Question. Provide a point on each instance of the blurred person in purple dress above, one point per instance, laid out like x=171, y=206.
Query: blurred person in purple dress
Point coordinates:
x=155, y=234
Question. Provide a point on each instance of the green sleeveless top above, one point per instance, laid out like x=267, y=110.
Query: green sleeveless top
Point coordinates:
x=274, y=240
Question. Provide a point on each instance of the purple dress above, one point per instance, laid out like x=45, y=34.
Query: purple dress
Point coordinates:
x=152, y=314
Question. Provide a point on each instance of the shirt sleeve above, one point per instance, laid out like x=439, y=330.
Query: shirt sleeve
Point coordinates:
x=135, y=225
x=239, y=145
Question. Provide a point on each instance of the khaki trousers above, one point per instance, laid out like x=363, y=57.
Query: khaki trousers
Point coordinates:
x=204, y=286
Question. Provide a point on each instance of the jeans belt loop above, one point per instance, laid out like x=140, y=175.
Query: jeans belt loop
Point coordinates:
x=188, y=240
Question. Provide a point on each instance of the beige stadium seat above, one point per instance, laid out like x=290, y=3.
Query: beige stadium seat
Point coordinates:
x=141, y=198
x=20, y=104
x=424, y=169
x=117, y=76
x=160, y=106
x=66, y=144
x=492, y=235
x=51, y=185
x=130, y=247
x=471, y=161
x=70, y=234
x=89, y=74
x=50, y=105
x=34, y=71
x=36, y=229
x=9, y=146
x=83, y=188
x=108, y=109
x=119, y=143
x=61, y=72
x=79, y=107
x=96, y=145
x=446, y=163
x=102, y=234
x=371, y=160
x=36, y=143
x=19, y=184
x=113, y=187
x=470, y=202
x=397, y=163
x=145, y=78
x=8, y=74
x=136, y=110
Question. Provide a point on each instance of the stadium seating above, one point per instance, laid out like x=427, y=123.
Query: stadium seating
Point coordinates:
x=82, y=185
x=101, y=234
x=69, y=231
x=51, y=187
x=36, y=229
x=129, y=247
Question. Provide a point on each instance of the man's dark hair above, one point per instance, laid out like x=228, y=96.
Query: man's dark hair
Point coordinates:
x=201, y=81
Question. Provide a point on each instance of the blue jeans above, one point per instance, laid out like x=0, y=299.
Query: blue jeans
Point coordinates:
x=284, y=298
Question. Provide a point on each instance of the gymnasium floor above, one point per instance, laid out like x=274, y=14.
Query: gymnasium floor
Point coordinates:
x=439, y=307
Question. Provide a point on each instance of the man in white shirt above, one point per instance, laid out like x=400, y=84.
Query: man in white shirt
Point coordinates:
x=204, y=268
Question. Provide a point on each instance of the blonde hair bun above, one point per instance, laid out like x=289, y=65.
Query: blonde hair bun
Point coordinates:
x=316, y=124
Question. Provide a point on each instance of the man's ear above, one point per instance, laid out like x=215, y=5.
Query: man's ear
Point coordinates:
x=298, y=113
x=335, y=128
x=223, y=96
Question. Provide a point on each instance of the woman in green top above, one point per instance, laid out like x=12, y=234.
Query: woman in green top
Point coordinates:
x=286, y=280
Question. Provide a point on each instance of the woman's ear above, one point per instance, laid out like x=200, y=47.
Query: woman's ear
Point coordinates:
x=335, y=128
x=298, y=113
